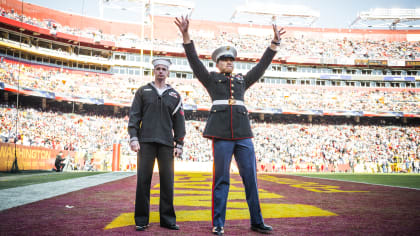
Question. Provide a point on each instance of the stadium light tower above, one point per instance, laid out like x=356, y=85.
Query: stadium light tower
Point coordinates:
x=287, y=15
x=169, y=8
x=147, y=9
x=388, y=18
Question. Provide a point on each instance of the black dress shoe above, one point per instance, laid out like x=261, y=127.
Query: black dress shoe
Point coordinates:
x=173, y=227
x=218, y=230
x=262, y=228
x=141, y=227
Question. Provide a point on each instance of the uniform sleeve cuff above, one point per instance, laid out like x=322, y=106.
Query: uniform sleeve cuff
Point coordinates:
x=188, y=44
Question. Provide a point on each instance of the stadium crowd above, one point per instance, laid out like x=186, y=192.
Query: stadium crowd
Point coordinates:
x=285, y=97
x=310, y=46
x=323, y=144
x=374, y=147
x=71, y=83
x=61, y=131
x=54, y=26
x=292, y=45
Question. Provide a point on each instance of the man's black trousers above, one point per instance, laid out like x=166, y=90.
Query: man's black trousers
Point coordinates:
x=145, y=162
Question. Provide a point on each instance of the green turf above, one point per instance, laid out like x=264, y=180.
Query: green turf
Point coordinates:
x=8, y=180
x=401, y=180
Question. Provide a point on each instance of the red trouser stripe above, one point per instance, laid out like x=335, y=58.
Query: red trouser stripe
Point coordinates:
x=212, y=188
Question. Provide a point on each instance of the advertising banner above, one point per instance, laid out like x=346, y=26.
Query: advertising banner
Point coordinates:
x=29, y=158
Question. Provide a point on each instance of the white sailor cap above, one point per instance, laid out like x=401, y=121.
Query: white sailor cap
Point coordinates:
x=224, y=51
x=161, y=61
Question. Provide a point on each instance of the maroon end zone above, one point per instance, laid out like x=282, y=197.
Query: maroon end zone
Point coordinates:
x=292, y=205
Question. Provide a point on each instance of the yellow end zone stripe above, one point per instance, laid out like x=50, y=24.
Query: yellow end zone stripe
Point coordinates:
x=268, y=211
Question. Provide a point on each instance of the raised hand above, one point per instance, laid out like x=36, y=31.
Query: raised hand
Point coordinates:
x=278, y=33
x=182, y=24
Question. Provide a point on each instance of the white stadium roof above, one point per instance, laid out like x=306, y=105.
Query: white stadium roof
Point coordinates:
x=263, y=13
x=170, y=8
x=287, y=15
x=388, y=18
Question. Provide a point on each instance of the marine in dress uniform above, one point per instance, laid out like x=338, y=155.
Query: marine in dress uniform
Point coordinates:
x=156, y=127
x=228, y=124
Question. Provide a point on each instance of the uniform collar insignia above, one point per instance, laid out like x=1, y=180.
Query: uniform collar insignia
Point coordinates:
x=239, y=77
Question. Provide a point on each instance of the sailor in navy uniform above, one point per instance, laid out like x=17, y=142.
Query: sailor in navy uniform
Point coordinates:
x=228, y=124
x=157, y=128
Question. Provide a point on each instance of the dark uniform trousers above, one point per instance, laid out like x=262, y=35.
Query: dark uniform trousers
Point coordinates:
x=145, y=162
x=243, y=150
x=157, y=121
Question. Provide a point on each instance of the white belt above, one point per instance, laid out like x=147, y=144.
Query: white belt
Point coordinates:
x=229, y=102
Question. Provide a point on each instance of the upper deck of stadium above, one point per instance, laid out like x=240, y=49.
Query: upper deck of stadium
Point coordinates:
x=301, y=45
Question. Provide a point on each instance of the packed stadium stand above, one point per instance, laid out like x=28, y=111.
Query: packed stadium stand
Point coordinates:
x=332, y=100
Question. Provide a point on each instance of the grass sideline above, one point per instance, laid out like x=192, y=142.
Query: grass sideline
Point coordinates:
x=392, y=179
x=9, y=180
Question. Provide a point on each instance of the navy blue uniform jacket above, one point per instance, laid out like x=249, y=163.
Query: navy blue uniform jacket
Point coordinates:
x=229, y=122
x=155, y=118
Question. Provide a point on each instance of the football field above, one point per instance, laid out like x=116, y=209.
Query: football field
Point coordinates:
x=293, y=205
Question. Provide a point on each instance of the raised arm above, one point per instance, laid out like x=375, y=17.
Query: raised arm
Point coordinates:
x=183, y=25
x=257, y=71
x=200, y=71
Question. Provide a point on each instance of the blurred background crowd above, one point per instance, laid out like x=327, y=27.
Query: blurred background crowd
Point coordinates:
x=261, y=95
x=289, y=143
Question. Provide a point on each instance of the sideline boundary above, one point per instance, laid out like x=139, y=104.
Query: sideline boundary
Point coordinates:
x=13, y=197
x=352, y=181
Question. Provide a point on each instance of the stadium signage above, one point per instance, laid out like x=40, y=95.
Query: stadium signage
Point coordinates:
x=399, y=78
x=362, y=62
x=377, y=62
x=334, y=77
x=37, y=93
x=29, y=157
x=412, y=63
x=366, y=62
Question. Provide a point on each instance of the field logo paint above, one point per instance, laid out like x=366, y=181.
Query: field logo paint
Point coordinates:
x=309, y=186
x=194, y=190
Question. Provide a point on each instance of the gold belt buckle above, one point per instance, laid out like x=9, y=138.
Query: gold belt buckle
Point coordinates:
x=231, y=101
